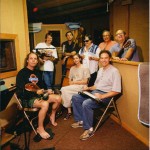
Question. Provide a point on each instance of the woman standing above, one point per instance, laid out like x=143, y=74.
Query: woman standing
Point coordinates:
x=78, y=77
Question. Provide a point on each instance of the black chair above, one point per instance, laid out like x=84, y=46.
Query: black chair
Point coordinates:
x=27, y=111
x=29, y=115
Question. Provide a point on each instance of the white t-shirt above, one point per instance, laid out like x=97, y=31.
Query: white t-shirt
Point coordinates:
x=91, y=64
x=48, y=65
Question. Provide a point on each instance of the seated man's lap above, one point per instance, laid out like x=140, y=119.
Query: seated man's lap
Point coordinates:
x=29, y=103
x=90, y=103
x=105, y=100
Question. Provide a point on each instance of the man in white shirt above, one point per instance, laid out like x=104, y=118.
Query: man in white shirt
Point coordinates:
x=90, y=55
x=49, y=56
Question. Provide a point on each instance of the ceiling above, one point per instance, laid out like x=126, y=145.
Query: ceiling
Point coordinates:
x=61, y=11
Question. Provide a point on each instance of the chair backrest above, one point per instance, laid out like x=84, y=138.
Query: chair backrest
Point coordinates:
x=6, y=96
x=18, y=101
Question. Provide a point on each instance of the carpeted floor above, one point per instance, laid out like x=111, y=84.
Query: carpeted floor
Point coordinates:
x=110, y=136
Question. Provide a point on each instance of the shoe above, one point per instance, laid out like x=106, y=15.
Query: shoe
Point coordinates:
x=68, y=116
x=38, y=137
x=86, y=134
x=77, y=125
x=58, y=114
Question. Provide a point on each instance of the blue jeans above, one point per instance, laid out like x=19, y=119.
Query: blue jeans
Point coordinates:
x=48, y=79
x=83, y=108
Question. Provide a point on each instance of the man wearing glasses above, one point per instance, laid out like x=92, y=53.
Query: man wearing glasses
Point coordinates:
x=90, y=56
x=125, y=49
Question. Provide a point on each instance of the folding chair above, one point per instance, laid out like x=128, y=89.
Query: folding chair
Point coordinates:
x=108, y=109
x=27, y=110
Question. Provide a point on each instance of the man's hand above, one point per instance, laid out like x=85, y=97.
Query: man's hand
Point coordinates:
x=39, y=92
x=124, y=59
x=82, y=56
x=64, y=59
x=73, y=53
x=51, y=58
x=116, y=58
x=98, y=95
x=50, y=91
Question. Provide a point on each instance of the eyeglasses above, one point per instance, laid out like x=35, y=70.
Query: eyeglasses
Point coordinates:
x=86, y=40
x=106, y=35
x=119, y=34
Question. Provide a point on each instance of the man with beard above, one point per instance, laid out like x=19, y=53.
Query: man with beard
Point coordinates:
x=32, y=97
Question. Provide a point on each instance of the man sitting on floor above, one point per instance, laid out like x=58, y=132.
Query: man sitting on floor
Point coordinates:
x=107, y=85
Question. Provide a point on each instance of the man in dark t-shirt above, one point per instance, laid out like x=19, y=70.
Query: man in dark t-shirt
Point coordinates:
x=70, y=48
x=29, y=90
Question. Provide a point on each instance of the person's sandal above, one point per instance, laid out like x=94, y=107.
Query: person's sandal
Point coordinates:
x=38, y=138
x=68, y=116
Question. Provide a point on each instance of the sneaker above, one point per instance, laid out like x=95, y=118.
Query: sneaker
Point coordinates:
x=86, y=134
x=77, y=125
x=68, y=116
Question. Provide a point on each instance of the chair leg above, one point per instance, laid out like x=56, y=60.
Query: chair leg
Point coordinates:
x=26, y=145
x=102, y=116
x=30, y=123
x=25, y=141
x=117, y=113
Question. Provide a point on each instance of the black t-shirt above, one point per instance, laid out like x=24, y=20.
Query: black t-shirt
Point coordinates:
x=71, y=47
x=25, y=76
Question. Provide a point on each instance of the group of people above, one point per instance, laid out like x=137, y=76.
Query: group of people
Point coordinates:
x=92, y=71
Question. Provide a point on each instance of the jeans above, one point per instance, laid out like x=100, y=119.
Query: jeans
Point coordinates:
x=83, y=108
x=48, y=78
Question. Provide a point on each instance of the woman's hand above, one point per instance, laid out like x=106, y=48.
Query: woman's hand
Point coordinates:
x=71, y=82
x=85, y=88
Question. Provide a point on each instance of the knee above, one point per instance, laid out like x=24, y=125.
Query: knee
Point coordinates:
x=45, y=105
x=59, y=99
x=74, y=98
x=85, y=104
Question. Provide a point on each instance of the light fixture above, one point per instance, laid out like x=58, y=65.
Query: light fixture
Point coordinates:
x=108, y=3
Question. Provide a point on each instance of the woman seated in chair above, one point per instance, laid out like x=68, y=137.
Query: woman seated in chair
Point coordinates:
x=30, y=90
x=78, y=77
